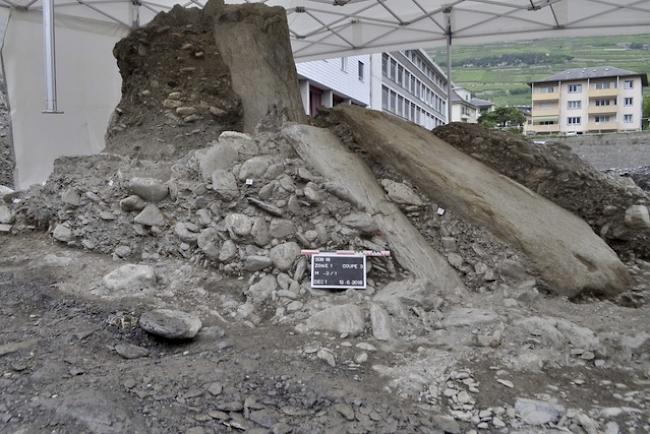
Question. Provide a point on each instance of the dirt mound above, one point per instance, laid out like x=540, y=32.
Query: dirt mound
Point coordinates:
x=176, y=89
x=558, y=174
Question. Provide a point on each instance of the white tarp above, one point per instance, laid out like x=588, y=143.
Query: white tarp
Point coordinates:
x=89, y=84
x=88, y=91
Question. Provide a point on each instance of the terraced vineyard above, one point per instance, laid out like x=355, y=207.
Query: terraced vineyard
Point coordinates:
x=499, y=72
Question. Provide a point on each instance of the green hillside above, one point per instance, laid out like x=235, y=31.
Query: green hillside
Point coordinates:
x=499, y=72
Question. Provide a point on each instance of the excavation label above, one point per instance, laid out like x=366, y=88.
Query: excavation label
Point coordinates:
x=329, y=270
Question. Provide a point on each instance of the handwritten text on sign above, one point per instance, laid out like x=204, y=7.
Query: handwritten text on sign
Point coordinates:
x=331, y=270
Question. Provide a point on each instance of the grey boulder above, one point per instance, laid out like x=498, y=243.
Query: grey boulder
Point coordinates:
x=170, y=324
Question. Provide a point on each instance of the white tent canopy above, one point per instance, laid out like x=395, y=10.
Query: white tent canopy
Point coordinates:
x=88, y=86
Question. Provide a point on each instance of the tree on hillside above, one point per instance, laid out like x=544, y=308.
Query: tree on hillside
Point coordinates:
x=503, y=117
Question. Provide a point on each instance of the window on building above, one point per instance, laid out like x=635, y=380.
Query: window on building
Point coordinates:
x=575, y=104
x=574, y=120
x=384, y=97
x=393, y=69
x=400, y=105
x=393, y=102
x=601, y=119
x=412, y=111
x=628, y=84
x=629, y=102
x=344, y=64
x=400, y=74
x=413, y=84
x=628, y=119
x=602, y=85
x=407, y=80
x=546, y=89
x=362, y=71
x=575, y=88
x=384, y=64
x=603, y=102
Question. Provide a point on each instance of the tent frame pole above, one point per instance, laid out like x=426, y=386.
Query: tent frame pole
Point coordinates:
x=49, y=59
x=447, y=12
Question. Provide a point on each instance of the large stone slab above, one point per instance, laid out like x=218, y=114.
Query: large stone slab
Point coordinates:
x=556, y=173
x=253, y=40
x=564, y=249
x=325, y=152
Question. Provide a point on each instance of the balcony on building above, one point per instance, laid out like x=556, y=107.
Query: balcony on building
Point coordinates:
x=602, y=126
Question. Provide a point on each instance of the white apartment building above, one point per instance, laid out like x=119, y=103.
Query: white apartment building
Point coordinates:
x=326, y=83
x=413, y=87
x=405, y=83
x=463, y=108
x=587, y=100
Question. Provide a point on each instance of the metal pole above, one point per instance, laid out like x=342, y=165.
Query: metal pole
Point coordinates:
x=449, y=86
x=49, y=56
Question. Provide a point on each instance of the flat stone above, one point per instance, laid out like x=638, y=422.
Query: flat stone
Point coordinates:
x=262, y=290
x=225, y=185
x=221, y=155
x=363, y=222
x=260, y=232
x=150, y=216
x=149, y=189
x=239, y=224
x=209, y=242
x=130, y=277
x=347, y=319
x=463, y=317
x=63, y=233
x=255, y=168
x=215, y=388
x=283, y=255
x=269, y=208
x=312, y=193
x=327, y=356
x=185, y=110
x=170, y=324
x=129, y=351
x=401, y=193
x=281, y=228
x=182, y=231
x=382, y=325
x=257, y=263
x=534, y=412
x=132, y=203
x=71, y=197
x=345, y=410
x=228, y=251
x=637, y=217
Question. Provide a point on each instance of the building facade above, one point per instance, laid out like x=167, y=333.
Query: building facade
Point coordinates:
x=587, y=100
x=463, y=108
x=413, y=88
x=407, y=84
x=326, y=83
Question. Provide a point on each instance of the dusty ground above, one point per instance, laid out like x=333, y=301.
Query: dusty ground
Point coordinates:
x=64, y=376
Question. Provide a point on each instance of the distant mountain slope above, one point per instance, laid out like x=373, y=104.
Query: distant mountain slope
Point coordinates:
x=499, y=72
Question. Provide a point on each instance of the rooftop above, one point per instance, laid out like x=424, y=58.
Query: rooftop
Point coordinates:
x=478, y=102
x=593, y=72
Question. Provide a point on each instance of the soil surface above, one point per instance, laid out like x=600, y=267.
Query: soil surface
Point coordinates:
x=61, y=373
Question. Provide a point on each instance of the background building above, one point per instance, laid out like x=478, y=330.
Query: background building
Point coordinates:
x=584, y=100
x=405, y=83
x=462, y=107
x=326, y=83
x=413, y=87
